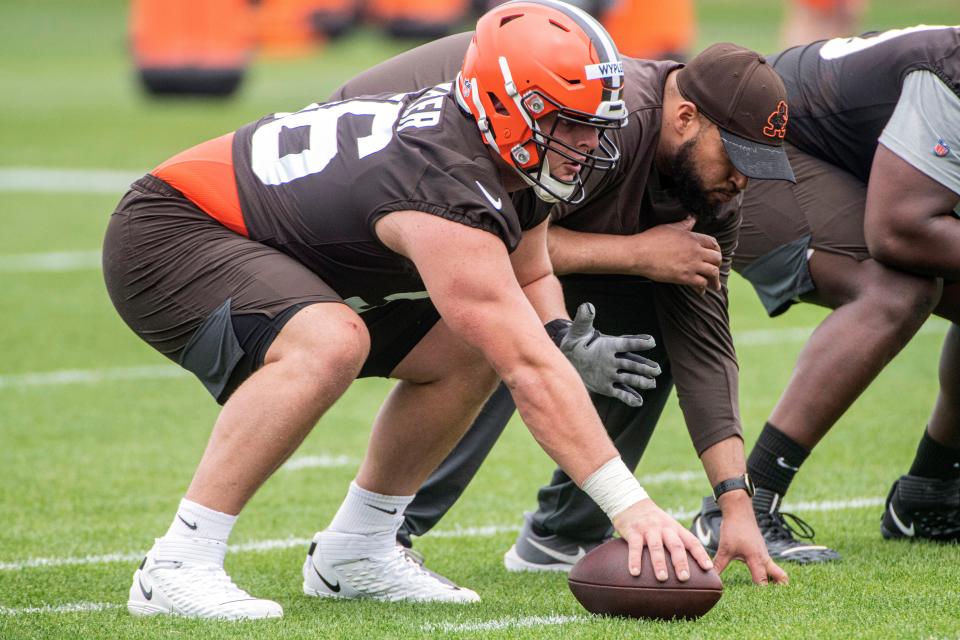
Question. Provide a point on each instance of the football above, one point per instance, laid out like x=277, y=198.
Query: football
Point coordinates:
x=602, y=584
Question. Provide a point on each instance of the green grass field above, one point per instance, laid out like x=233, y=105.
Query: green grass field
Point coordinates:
x=99, y=435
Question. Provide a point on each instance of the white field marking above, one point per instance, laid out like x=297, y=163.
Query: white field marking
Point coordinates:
x=47, y=262
x=71, y=607
x=74, y=376
x=502, y=623
x=672, y=476
x=38, y=180
x=323, y=461
x=802, y=507
x=764, y=337
x=456, y=532
x=474, y=532
x=90, y=376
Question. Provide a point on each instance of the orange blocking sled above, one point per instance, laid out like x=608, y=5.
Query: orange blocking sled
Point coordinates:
x=651, y=28
x=426, y=19
x=186, y=47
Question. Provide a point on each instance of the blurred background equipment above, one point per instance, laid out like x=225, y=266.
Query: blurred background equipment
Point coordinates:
x=651, y=29
x=808, y=20
x=191, y=48
x=419, y=19
x=185, y=47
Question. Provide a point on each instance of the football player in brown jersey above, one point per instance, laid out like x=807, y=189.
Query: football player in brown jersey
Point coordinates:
x=870, y=230
x=277, y=263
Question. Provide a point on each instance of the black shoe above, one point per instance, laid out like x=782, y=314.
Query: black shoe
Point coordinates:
x=781, y=537
x=922, y=508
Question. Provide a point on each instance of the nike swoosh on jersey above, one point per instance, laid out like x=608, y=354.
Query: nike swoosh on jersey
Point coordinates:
x=556, y=555
x=905, y=530
x=496, y=202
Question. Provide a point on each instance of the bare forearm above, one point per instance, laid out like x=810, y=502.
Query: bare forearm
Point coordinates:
x=549, y=393
x=546, y=296
x=557, y=410
x=577, y=252
x=723, y=461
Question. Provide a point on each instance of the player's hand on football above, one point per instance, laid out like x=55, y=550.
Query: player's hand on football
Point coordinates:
x=675, y=254
x=646, y=524
x=609, y=365
x=740, y=539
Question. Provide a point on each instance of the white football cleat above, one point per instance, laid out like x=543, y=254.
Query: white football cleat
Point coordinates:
x=181, y=577
x=344, y=565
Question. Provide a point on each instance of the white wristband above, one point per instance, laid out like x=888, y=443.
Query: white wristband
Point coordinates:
x=614, y=488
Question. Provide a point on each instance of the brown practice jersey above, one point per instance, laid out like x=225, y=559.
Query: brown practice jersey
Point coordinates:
x=843, y=91
x=630, y=199
x=313, y=183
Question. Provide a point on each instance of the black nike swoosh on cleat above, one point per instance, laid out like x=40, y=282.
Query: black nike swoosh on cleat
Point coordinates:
x=333, y=587
x=192, y=526
x=146, y=594
x=391, y=512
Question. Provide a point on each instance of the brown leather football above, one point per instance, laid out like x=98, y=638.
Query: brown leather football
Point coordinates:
x=603, y=585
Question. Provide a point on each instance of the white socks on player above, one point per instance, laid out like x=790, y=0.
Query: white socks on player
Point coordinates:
x=195, y=523
x=368, y=513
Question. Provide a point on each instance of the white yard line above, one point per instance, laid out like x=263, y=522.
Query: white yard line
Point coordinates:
x=457, y=532
x=55, y=261
x=41, y=180
x=502, y=623
x=86, y=376
x=72, y=607
x=322, y=461
x=90, y=376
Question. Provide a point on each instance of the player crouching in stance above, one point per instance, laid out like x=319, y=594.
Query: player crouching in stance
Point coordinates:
x=277, y=262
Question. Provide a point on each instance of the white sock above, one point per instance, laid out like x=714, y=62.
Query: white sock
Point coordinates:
x=197, y=521
x=369, y=513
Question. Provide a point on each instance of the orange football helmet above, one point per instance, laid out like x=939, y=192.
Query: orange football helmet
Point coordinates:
x=529, y=59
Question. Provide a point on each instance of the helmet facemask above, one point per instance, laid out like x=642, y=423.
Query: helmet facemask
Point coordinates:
x=534, y=168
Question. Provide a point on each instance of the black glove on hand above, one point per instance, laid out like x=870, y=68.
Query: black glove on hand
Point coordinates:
x=607, y=364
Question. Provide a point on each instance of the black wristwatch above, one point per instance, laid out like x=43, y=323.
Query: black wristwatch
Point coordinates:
x=732, y=484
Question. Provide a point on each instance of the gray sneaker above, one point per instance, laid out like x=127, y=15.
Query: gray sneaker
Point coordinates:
x=781, y=537
x=533, y=552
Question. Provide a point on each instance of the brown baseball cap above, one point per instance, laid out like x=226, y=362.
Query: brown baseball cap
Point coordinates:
x=739, y=92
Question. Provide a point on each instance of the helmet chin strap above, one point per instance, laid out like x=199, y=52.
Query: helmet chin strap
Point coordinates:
x=562, y=189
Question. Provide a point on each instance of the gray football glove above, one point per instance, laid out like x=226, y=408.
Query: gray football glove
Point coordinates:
x=608, y=365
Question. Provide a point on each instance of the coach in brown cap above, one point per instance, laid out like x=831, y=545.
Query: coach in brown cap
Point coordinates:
x=650, y=246
x=739, y=92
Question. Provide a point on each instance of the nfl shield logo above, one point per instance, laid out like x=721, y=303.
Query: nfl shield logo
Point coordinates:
x=941, y=149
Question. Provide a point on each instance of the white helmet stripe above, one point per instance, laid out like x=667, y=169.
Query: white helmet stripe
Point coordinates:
x=598, y=35
x=488, y=134
x=511, y=89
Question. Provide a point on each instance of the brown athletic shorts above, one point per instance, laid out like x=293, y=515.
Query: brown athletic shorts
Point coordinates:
x=783, y=222
x=213, y=301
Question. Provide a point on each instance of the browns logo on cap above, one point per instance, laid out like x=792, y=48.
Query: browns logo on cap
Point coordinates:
x=738, y=91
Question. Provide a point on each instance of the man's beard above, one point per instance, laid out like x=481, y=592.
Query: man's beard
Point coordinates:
x=692, y=193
